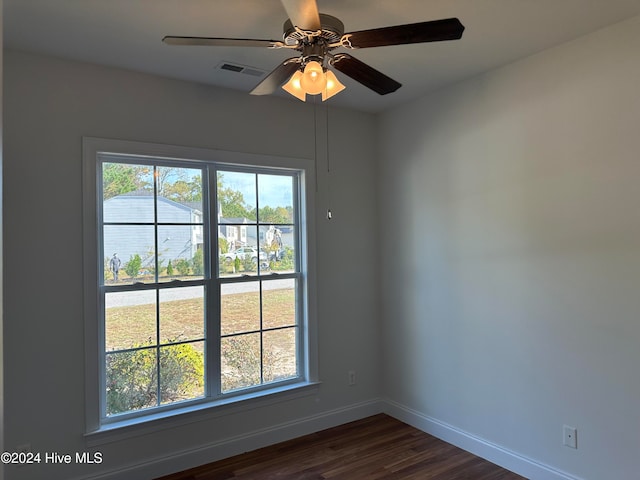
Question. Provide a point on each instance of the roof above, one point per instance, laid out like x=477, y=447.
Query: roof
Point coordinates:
x=236, y=220
x=141, y=193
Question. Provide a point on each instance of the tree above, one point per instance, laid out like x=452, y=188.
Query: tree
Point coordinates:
x=174, y=184
x=171, y=182
x=183, y=191
x=121, y=178
x=277, y=215
x=232, y=202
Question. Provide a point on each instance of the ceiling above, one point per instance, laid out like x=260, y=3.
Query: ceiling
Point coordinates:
x=128, y=33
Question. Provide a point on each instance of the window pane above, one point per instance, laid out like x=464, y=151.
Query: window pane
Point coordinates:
x=274, y=248
x=278, y=303
x=127, y=193
x=275, y=198
x=130, y=319
x=181, y=314
x=179, y=195
x=240, y=307
x=225, y=262
x=241, y=258
x=181, y=372
x=133, y=247
x=131, y=380
x=236, y=197
x=279, y=245
x=180, y=252
x=279, y=358
x=240, y=361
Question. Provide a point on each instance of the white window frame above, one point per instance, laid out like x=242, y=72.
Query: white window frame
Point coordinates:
x=98, y=430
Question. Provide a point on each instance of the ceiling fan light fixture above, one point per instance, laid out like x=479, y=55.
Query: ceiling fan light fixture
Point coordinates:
x=294, y=87
x=333, y=86
x=313, y=80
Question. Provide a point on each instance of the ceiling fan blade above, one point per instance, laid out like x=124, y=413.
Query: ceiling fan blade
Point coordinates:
x=366, y=75
x=219, y=42
x=277, y=77
x=303, y=13
x=433, y=31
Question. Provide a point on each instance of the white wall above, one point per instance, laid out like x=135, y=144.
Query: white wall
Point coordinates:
x=511, y=257
x=49, y=105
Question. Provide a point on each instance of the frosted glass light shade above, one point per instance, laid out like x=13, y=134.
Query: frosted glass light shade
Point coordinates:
x=333, y=86
x=313, y=79
x=293, y=86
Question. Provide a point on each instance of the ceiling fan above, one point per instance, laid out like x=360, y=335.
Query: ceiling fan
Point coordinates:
x=315, y=36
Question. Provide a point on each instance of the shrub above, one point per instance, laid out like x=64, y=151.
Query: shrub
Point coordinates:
x=241, y=363
x=198, y=262
x=248, y=264
x=183, y=267
x=169, y=269
x=132, y=377
x=286, y=261
x=108, y=274
x=223, y=245
x=150, y=266
x=133, y=266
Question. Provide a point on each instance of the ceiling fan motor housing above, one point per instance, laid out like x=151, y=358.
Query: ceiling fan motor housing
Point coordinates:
x=331, y=31
x=314, y=45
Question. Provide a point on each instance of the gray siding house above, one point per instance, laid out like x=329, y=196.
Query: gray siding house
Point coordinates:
x=179, y=241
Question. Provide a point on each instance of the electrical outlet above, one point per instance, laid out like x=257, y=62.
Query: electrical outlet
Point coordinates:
x=352, y=378
x=569, y=436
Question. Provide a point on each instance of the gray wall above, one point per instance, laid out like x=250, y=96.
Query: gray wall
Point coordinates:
x=1, y=250
x=512, y=301
x=50, y=104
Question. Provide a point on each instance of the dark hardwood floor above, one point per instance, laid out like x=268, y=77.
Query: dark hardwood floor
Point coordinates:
x=378, y=447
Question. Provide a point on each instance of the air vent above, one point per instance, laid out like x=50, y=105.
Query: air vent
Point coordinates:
x=234, y=67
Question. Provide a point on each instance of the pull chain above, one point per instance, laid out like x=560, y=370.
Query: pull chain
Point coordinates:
x=329, y=214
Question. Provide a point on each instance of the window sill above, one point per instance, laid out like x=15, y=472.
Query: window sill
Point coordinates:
x=143, y=425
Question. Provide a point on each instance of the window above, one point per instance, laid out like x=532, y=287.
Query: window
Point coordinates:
x=201, y=280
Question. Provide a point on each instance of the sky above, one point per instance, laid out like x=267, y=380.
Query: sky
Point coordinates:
x=274, y=190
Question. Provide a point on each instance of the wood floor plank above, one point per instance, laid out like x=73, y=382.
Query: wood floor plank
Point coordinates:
x=374, y=448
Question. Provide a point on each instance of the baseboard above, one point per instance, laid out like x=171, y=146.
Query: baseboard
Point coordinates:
x=157, y=467
x=508, y=459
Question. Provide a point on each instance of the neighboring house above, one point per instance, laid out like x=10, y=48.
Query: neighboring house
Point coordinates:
x=174, y=241
x=237, y=232
x=241, y=232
